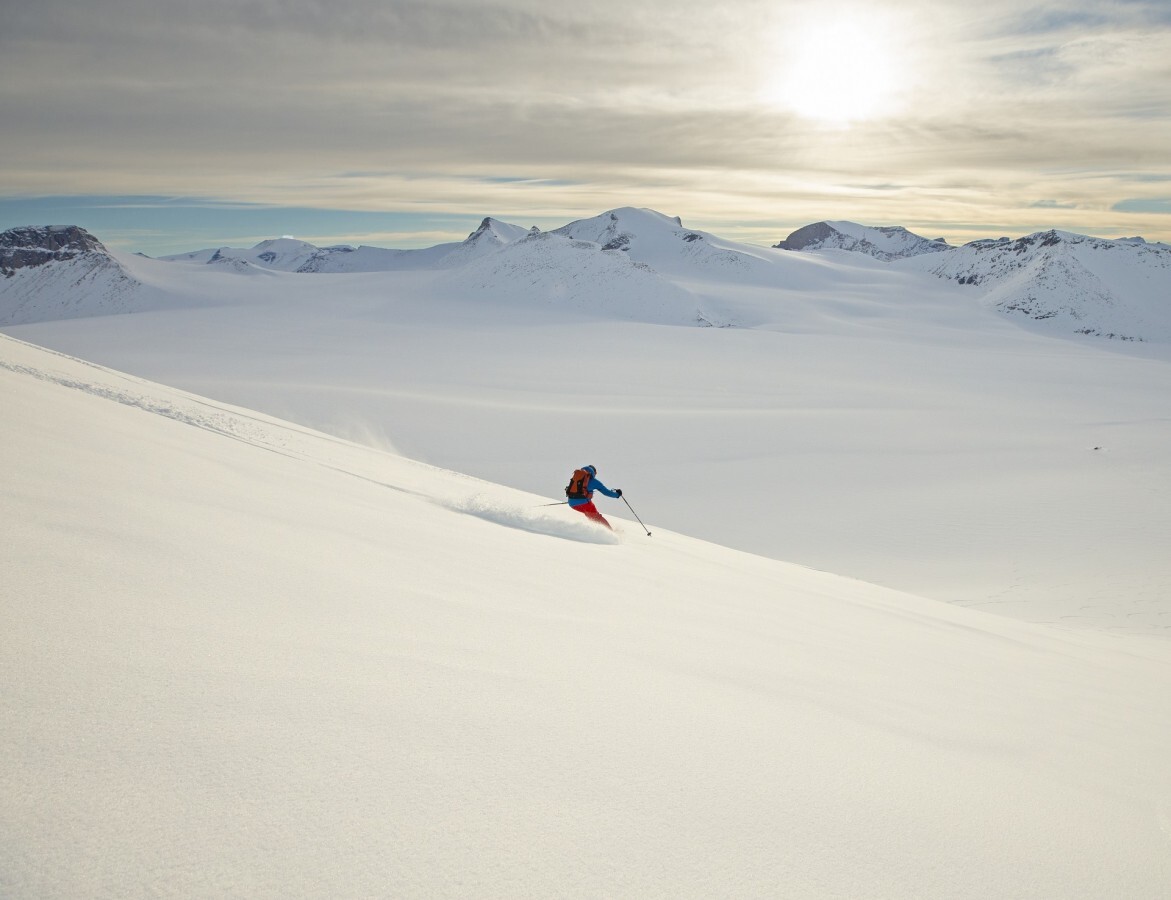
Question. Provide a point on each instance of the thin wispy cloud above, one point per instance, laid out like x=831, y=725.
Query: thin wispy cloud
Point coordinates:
x=750, y=111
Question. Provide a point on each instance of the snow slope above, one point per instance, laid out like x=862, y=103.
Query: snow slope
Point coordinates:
x=852, y=416
x=244, y=659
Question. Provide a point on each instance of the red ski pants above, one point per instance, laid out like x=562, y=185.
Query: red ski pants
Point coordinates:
x=591, y=512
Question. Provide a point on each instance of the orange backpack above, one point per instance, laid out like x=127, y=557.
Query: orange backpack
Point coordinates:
x=577, y=485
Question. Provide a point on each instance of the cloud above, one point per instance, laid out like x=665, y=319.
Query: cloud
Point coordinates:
x=499, y=106
x=1158, y=205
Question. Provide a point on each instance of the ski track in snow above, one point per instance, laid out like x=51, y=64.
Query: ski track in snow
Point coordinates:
x=537, y=520
x=255, y=431
x=213, y=419
x=199, y=413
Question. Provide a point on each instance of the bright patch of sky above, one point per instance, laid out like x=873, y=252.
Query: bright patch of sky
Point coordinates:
x=841, y=65
x=749, y=118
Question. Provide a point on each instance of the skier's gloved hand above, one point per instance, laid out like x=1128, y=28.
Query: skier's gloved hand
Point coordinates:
x=618, y=491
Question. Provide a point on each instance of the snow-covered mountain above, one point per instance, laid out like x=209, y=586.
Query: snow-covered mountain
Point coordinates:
x=582, y=276
x=1072, y=284
x=291, y=255
x=489, y=236
x=881, y=242
x=33, y=246
x=62, y=271
x=663, y=243
x=1111, y=288
x=283, y=255
x=1142, y=241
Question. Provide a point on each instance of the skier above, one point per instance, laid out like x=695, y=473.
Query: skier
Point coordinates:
x=581, y=492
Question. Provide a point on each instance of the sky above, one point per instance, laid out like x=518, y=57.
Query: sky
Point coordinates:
x=164, y=126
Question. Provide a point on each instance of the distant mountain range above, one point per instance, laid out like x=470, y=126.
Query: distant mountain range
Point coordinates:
x=1072, y=283
x=290, y=255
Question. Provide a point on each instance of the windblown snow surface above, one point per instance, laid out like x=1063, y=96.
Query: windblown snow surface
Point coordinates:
x=243, y=658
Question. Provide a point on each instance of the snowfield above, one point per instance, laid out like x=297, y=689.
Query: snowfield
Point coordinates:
x=290, y=607
x=245, y=658
x=826, y=408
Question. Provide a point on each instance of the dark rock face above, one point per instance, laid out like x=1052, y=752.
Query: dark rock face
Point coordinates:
x=61, y=272
x=483, y=227
x=36, y=245
x=884, y=242
x=815, y=234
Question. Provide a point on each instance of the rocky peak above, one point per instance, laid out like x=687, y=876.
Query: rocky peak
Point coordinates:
x=493, y=231
x=886, y=242
x=814, y=235
x=485, y=225
x=35, y=245
x=489, y=227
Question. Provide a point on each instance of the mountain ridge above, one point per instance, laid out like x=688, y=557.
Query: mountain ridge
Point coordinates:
x=1116, y=289
x=885, y=242
x=1075, y=284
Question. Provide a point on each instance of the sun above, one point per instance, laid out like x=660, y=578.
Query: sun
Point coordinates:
x=838, y=68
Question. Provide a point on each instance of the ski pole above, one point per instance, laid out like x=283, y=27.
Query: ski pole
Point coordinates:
x=558, y=503
x=640, y=522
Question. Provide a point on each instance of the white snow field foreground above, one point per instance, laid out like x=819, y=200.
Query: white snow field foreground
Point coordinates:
x=242, y=658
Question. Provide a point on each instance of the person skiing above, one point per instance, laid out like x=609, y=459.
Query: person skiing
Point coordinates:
x=581, y=493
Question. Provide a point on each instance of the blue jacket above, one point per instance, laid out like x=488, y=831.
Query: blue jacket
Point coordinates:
x=594, y=485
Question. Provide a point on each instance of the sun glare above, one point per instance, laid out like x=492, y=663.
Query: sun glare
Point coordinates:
x=838, y=69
